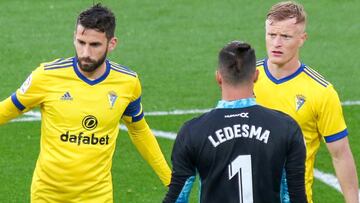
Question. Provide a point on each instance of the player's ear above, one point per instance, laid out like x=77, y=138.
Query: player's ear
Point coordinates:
x=218, y=78
x=256, y=75
x=303, y=38
x=112, y=44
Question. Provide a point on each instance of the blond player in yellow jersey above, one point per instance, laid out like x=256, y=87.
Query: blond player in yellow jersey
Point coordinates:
x=82, y=100
x=287, y=85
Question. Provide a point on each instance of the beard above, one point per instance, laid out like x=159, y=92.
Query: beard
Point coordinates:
x=91, y=64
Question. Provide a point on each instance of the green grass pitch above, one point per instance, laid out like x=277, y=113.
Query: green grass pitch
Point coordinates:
x=173, y=46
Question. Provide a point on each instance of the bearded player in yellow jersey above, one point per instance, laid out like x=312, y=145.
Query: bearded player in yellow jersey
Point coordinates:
x=287, y=85
x=82, y=100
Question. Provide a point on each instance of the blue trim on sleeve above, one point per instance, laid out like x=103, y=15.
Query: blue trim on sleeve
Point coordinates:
x=337, y=136
x=16, y=102
x=241, y=103
x=284, y=190
x=137, y=118
x=133, y=108
x=282, y=80
x=185, y=192
x=85, y=79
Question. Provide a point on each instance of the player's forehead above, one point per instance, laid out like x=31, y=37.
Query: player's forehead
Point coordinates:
x=288, y=26
x=87, y=34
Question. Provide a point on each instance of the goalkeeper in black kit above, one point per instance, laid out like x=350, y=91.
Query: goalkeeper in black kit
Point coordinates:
x=243, y=152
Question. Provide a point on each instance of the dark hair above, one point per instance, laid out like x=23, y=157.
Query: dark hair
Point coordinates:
x=237, y=62
x=286, y=10
x=98, y=18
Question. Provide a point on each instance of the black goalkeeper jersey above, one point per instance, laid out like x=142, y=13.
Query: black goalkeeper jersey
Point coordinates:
x=240, y=155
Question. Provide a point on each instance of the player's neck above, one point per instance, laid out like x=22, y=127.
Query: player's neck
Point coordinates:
x=236, y=93
x=97, y=73
x=280, y=71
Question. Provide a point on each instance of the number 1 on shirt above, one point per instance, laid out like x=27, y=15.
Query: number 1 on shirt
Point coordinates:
x=242, y=166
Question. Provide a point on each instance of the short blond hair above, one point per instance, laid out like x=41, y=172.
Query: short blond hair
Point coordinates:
x=287, y=10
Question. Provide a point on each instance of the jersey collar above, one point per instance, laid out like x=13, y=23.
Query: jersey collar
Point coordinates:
x=85, y=79
x=282, y=80
x=241, y=103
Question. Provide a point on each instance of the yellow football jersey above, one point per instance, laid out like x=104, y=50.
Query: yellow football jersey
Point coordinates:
x=79, y=127
x=311, y=100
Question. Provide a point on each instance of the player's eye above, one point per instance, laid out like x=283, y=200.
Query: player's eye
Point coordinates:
x=81, y=42
x=95, y=44
x=272, y=35
x=287, y=37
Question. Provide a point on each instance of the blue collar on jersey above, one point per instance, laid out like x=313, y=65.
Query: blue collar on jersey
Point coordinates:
x=241, y=103
x=282, y=80
x=85, y=79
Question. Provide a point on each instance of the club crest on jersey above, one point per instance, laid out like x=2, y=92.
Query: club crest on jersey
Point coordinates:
x=299, y=101
x=112, y=98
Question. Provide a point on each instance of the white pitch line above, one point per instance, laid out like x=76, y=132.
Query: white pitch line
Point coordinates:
x=33, y=113
x=328, y=179
x=350, y=103
x=176, y=112
x=157, y=133
x=26, y=119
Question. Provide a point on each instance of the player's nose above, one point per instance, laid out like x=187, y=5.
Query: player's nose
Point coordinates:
x=277, y=41
x=86, y=52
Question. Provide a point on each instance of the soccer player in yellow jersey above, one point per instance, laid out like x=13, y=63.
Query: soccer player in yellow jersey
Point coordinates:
x=290, y=86
x=82, y=99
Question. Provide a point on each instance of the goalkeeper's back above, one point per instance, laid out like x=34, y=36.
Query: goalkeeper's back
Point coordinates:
x=240, y=150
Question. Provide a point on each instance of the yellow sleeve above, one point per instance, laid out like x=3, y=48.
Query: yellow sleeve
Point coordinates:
x=32, y=92
x=29, y=95
x=8, y=110
x=143, y=138
x=146, y=144
x=331, y=122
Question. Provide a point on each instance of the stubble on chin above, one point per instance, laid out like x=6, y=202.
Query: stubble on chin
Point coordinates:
x=91, y=65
